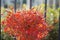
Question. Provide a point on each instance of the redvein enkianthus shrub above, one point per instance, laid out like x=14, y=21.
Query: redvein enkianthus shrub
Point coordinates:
x=26, y=25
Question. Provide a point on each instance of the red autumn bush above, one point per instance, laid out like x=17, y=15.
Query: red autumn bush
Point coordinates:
x=27, y=25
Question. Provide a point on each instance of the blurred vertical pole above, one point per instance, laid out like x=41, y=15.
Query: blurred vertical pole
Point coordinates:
x=0, y=19
x=15, y=5
x=45, y=9
x=0, y=11
x=15, y=12
x=59, y=27
x=59, y=22
x=0, y=3
x=30, y=4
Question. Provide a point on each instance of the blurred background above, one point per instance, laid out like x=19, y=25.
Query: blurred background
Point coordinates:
x=52, y=14
x=52, y=3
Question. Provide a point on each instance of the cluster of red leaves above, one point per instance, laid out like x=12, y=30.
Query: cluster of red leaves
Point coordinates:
x=29, y=25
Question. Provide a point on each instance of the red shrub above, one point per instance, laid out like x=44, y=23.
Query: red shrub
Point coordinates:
x=29, y=25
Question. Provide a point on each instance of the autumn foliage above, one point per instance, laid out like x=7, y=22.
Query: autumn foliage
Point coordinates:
x=26, y=25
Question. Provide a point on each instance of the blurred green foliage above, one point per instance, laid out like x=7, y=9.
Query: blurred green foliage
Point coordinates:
x=53, y=19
